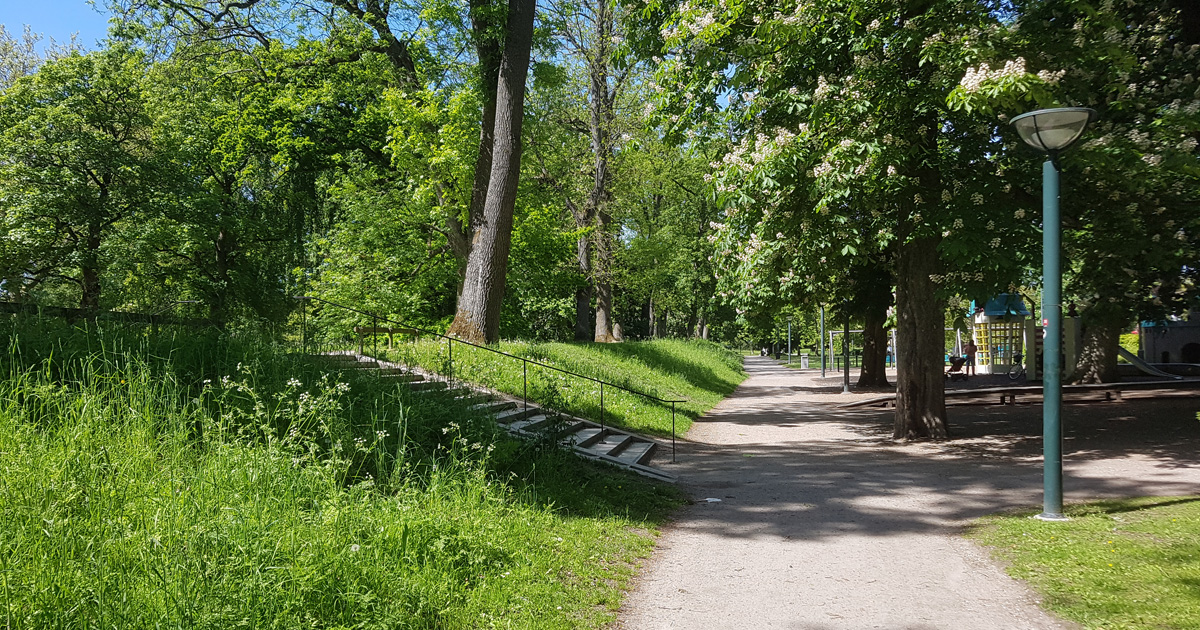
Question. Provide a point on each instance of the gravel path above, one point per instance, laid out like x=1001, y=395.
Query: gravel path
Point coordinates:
x=822, y=522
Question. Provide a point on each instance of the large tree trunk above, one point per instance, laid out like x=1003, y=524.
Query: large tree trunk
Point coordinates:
x=488, y=49
x=1098, y=353
x=603, y=272
x=874, y=360
x=583, y=295
x=89, y=270
x=478, y=315
x=653, y=323
x=920, y=393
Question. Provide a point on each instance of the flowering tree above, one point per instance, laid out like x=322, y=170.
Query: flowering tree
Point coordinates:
x=1131, y=231
x=845, y=156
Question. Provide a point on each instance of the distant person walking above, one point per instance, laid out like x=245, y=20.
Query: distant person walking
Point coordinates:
x=969, y=350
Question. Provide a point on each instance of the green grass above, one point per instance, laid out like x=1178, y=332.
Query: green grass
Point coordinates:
x=203, y=482
x=700, y=372
x=1131, y=563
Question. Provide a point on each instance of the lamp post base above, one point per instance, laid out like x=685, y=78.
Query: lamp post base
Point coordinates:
x=1049, y=516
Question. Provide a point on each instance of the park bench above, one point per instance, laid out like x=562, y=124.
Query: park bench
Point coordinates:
x=362, y=331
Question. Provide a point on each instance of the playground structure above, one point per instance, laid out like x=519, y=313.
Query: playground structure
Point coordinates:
x=1175, y=341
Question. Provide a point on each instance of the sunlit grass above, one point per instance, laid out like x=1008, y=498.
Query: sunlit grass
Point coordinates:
x=698, y=372
x=147, y=487
x=1131, y=563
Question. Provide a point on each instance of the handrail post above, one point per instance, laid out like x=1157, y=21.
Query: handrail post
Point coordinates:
x=450, y=345
x=525, y=385
x=375, y=336
x=672, y=431
x=601, y=404
x=303, y=327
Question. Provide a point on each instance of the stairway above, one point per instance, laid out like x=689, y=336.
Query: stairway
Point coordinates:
x=588, y=439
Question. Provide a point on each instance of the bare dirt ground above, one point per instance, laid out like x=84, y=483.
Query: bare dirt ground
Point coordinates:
x=824, y=523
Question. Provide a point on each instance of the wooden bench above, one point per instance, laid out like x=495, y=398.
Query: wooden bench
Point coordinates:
x=362, y=331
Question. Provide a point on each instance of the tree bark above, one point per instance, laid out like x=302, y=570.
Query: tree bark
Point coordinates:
x=601, y=97
x=583, y=295
x=1098, y=353
x=650, y=316
x=89, y=269
x=920, y=387
x=603, y=271
x=478, y=315
x=875, y=342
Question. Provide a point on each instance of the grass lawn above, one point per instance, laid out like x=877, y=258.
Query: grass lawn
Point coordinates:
x=700, y=372
x=217, y=483
x=1132, y=563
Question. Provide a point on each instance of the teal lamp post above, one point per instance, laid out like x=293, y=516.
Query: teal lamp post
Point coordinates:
x=1052, y=131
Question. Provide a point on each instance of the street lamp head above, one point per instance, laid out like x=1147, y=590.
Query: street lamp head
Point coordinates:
x=1053, y=130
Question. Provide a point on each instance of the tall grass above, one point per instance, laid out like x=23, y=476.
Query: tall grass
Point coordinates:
x=218, y=484
x=699, y=372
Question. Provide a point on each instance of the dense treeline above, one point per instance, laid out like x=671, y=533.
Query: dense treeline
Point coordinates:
x=238, y=160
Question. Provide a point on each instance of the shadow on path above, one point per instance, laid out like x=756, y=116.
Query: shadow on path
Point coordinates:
x=821, y=498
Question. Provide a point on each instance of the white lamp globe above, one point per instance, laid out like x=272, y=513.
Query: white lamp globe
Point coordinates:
x=1053, y=130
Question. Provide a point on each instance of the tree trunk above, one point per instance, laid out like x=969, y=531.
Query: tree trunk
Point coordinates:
x=653, y=324
x=875, y=342
x=920, y=393
x=223, y=249
x=603, y=271
x=1098, y=353
x=478, y=315
x=89, y=270
x=488, y=50
x=583, y=295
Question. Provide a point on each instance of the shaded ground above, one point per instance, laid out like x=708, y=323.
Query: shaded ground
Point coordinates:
x=824, y=523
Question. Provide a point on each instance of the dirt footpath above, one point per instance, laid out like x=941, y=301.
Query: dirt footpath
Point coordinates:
x=808, y=517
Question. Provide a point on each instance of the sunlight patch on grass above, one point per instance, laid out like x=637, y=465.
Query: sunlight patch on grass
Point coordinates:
x=1128, y=563
x=699, y=372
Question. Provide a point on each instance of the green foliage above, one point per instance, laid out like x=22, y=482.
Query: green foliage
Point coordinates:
x=77, y=160
x=701, y=372
x=1128, y=563
x=224, y=483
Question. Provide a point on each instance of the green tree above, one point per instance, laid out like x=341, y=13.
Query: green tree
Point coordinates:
x=77, y=158
x=1130, y=230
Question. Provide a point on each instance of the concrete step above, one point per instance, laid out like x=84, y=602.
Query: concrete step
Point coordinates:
x=612, y=443
x=531, y=424
x=518, y=413
x=586, y=437
x=402, y=378
x=495, y=406
x=336, y=356
x=424, y=386
x=638, y=452
x=388, y=371
x=472, y=397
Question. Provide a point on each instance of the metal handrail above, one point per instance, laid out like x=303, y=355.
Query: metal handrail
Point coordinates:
x=375, y=317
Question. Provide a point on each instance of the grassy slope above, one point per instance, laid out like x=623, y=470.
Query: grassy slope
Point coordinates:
x=1131, y=563
x=134, y=495
x=701, y=372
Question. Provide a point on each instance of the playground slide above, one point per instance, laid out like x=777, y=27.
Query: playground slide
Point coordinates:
x=1143, y=366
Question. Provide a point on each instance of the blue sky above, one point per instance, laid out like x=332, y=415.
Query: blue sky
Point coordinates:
x=55, y=18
